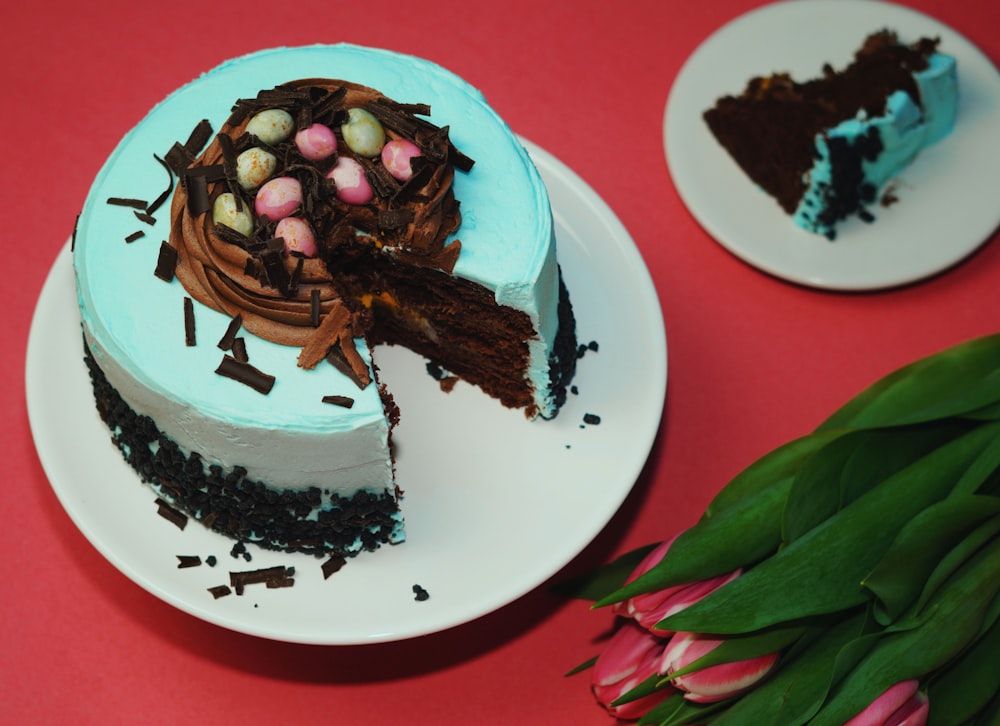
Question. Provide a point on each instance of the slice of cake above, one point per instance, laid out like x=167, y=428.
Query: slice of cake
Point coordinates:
x=229, y=325
x=824, y=148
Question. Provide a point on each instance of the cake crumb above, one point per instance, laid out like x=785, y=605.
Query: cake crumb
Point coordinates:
x=420, y=594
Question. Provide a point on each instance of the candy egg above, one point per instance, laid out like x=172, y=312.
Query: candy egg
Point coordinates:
x=253, y=166
x=316, y=142
x=224, y=211
x=297, y=235
x=271, y=126
x=352, y=185
x=278, y=198
x=363, y=133
x=396, y=157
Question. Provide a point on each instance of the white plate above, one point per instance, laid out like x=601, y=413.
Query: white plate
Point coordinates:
x=494, y=504
x=947, y=197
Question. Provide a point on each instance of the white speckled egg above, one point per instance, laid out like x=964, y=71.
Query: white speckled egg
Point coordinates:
x=224, y=211
x=254, y=166
x=271, y=126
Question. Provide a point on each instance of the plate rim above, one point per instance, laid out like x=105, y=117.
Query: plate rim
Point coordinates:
x=550, y=166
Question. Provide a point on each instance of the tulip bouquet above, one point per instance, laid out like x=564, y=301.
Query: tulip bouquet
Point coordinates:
x=851, y=576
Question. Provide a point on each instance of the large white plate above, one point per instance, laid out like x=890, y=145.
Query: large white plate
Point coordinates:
x=494, y=504
x=947, y=198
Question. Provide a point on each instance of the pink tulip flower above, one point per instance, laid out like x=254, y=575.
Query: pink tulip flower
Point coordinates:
x=629, y=658
x=900, y=705
x=650, y=608
x=714, y=683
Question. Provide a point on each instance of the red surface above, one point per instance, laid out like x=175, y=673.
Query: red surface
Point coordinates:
x=753, y=361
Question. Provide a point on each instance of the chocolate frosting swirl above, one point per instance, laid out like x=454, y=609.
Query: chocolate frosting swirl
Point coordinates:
x=285, y=298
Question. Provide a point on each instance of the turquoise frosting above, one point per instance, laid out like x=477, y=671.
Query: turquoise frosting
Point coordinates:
x=133, y=321
x=907, y=126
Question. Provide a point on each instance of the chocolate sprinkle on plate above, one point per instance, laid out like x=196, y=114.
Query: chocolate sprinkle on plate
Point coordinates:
x=220, y=591
x=170, y=514
x=333, y=565
x=244, y=373
x=420, y=593
x=184, y=561
x=277, y=576
x=166, y=262
x=591, y=418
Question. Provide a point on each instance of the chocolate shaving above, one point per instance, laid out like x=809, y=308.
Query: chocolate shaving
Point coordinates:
x=333, y=565
x=277, y=576
x=138, y=234
x=275, y=271
x=158, y=202
x=324, y=337
x=144, y=217
x=239, y=350
x=227, y=339
x=188, y=561
x=178, y=158
x=389, y=219
x=126, y=202
x=220, y=591
x=244, y=373
x=170, y=514
x=343, y=401
x=336, y=358
x=200, y=135
x=166, y=262
x=198, y=201
x=314, y=307
x=189, y=332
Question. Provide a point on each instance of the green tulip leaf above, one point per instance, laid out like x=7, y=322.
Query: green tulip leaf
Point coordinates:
x=948, y=627
x=899, y=577
x=793, y=694
x=678, y=711
x=737, y=536
x=954, y=559
x=965, y=688
x=961, y=379
x=847, y=467
x=821, y=572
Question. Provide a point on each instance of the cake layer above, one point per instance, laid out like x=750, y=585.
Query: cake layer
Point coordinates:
x=293, y=437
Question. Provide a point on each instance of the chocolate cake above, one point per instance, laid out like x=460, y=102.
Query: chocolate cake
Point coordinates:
x=824, y=148
x=232, y=358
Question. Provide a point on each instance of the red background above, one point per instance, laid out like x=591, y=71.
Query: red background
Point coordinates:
x=753, y=361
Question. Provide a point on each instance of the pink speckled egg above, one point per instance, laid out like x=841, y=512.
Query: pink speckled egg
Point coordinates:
x=297, y=235
x=316, y=142
x=352, y=186
x=278, y=198
x=396, y=157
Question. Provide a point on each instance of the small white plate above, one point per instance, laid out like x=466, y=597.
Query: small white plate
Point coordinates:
x=494, y=504
x=947, y=204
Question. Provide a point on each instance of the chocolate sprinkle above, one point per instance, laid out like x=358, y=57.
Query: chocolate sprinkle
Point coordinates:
x=344, y=401
x=277, y=576
x=166, y=262
x=170, y=514
x=244, y=373
x=591, y=418
x=127, y=202
x=188, y=561
x=138, y=234
x=227, y=340
x=420, y=593
x=239, y=350
x=333, y=565
x=220, y=591
x=189, y=335
x=144, y=217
